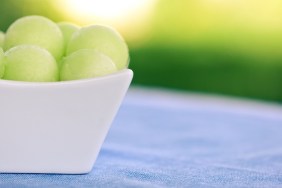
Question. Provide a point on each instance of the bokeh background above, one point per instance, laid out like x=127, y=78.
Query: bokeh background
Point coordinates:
x=228, y=47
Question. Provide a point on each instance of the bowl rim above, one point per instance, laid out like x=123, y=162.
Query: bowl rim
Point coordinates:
x=68, y=82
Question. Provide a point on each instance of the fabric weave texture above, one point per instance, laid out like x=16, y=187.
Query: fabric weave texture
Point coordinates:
x=168, y=139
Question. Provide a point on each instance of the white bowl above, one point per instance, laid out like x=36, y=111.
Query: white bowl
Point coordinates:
x=57, y=127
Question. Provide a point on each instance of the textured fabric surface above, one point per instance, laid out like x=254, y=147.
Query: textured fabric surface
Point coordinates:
x=168, y=139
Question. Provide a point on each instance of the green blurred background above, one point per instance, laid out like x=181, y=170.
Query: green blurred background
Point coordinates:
x=230, y=47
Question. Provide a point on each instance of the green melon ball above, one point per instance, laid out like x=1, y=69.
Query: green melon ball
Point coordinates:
x=67, y=29
x=2, y=64
x=2, y=38
x=36, y=30
x=104, y=39
x=86, y=63
x=30, y=63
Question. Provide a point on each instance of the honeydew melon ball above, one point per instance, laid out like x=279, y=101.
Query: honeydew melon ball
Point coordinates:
x=2, y=38
x=30, y=63
x=104, y=39
x=36, y=30
x=67, y=29
x=2, y=64
x=86, y=63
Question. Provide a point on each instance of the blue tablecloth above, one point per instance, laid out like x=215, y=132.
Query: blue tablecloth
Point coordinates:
x=170, y=139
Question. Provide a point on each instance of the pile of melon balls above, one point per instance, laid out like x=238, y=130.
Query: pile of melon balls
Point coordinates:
x=35, y=49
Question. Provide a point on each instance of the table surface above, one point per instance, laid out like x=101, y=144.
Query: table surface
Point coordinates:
x=169, y=139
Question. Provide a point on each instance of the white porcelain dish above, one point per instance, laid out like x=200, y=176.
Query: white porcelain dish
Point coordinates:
x=57, y=127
